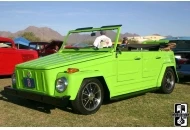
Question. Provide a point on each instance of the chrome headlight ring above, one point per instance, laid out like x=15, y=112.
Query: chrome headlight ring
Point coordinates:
x=61, y=84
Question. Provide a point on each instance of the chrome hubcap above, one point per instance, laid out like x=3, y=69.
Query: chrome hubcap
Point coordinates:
x=91, y=96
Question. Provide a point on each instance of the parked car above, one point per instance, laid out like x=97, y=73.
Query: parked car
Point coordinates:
x=38, y=46
x=52, y=47
x=46, y=48
x=11, y=56
x=88, y=75
x=181, y=52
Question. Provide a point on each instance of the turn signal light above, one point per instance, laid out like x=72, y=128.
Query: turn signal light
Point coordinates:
x=72, y=70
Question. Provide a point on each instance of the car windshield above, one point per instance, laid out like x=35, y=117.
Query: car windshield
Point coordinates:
x=5, y=45
x=182, y=44
x=36, y=46
x=87, y=39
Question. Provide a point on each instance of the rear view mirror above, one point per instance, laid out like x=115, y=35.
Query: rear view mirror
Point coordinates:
x=93, y=34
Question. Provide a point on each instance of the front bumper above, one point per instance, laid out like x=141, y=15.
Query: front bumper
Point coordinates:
x=63, y=101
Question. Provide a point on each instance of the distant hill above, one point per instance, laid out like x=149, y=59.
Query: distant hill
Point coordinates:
x=129, y=35
x=156, y=34
x=46, y=34
x=6, y=34
x=168, y=36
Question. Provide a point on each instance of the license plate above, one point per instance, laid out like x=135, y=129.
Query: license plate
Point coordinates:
x=29, y=82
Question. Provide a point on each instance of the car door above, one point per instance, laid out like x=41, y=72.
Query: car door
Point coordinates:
x=152, y=63
x=129, y=70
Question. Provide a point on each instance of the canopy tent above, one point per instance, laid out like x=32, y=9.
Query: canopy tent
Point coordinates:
x=21, y=41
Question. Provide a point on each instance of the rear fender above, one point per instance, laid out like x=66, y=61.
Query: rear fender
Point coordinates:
x=159, y=81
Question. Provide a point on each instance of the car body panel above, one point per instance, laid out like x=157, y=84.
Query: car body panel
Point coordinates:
x=61, y=59
x=11, y=56
x=181, y=51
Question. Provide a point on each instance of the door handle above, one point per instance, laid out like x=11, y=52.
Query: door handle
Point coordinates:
x=158, y=57
x=137, y=58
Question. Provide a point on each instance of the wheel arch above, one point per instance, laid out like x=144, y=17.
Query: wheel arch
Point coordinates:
x=164, y=67
x=105, y=87
x=175, y=72
x=77, y=79
x=78, y=103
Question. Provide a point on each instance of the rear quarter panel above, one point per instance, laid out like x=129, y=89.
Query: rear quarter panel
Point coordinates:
x=169, y=61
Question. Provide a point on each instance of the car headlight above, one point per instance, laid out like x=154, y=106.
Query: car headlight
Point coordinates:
x=61, y=84
x=13, y=78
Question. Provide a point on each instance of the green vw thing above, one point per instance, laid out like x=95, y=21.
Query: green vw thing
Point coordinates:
x=85, y=75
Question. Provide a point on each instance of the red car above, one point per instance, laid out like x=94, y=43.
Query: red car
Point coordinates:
x=11, y=56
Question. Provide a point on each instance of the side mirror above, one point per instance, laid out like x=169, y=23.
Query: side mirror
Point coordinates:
x=93, y=34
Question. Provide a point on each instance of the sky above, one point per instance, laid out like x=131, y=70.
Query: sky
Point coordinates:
x=143, y=18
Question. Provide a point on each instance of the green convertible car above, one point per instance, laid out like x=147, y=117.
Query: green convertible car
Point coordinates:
x=85, y=75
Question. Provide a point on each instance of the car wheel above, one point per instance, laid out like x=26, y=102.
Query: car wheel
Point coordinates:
x=89, y=98
x=168, y=81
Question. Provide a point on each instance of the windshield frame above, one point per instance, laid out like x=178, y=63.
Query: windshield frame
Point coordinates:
x=117, y=28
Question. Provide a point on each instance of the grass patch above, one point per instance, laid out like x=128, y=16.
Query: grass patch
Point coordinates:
x=150, y=109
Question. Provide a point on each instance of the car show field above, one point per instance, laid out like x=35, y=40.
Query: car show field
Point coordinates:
x=88, y=72
x=150, y=109
x=112, y=85
x=94, y=64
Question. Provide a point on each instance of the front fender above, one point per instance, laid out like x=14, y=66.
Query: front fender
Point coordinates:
x=164, y=66
x=74, y=82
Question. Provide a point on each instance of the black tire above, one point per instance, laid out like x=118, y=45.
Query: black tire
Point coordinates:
x=86, y=99
x=168, y=81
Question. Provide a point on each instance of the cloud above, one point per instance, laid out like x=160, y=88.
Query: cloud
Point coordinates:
x=186, y=9
x=74, y=13
x=46, y=12
x=48, y=25
x=27, y=12
x=4, y=4
x=88, y=13
x=52, y=13
x=20, y=12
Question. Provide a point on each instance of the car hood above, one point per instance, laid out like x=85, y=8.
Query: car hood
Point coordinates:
x=62, y=59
